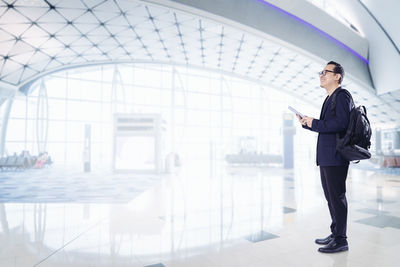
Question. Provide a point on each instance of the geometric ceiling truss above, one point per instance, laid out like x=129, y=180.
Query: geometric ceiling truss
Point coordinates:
x=39, y=37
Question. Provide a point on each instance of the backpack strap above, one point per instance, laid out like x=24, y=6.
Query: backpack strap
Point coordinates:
x=333, y=101
x=339, y=141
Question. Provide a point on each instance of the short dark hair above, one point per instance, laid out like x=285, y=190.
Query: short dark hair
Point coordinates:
x=338, y=69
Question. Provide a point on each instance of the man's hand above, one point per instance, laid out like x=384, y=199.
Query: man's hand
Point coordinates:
x=306, y=121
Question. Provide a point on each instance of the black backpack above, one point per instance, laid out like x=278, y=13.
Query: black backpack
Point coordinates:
x=354, y=144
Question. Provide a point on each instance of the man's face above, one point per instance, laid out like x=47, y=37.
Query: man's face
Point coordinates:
x=328, y=78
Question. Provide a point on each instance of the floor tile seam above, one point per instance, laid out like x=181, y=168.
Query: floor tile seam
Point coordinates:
x=72, y=240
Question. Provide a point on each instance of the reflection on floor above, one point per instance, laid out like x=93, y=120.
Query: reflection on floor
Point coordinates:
x=60, y=184
x=228, y=216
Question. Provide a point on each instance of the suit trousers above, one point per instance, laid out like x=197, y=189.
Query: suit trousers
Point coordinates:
x=333, y=179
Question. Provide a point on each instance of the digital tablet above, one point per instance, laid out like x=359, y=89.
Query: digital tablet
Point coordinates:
x=295, y=111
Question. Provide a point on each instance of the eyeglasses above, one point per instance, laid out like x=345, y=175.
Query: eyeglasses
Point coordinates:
x=324, y=72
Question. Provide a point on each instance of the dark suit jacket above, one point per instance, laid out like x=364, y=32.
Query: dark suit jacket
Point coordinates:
x=328, y=125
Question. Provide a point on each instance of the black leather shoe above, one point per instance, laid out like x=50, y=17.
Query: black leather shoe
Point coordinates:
x=324, y=241
x=335, y=246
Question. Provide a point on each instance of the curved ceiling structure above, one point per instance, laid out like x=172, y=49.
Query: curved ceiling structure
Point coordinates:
x=378, y=21
x=40, y=37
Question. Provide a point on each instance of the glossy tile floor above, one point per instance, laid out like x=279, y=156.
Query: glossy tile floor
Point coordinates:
x=226, y=216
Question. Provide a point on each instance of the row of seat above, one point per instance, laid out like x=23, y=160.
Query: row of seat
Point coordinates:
x=25, y=161
x=391, y=162
x=13, y=162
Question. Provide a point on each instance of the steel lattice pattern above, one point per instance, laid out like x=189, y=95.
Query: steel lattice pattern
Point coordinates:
x=38, y=37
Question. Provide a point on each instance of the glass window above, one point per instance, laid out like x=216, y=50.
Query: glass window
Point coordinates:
x=57, y=109
x=16, y=130
x=75, y=131
x=84, y=96
x=74, y=88
x=91, y=90
x=56, y=87
x=18, y=108
x=56, y=131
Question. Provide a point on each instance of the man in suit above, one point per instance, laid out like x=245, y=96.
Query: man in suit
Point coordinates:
x=333, y=168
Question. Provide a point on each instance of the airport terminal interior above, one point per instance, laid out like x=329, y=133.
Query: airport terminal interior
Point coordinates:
x=157, y=132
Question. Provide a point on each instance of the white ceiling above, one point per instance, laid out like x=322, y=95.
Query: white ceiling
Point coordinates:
x=39, y=37
x=387, y=14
